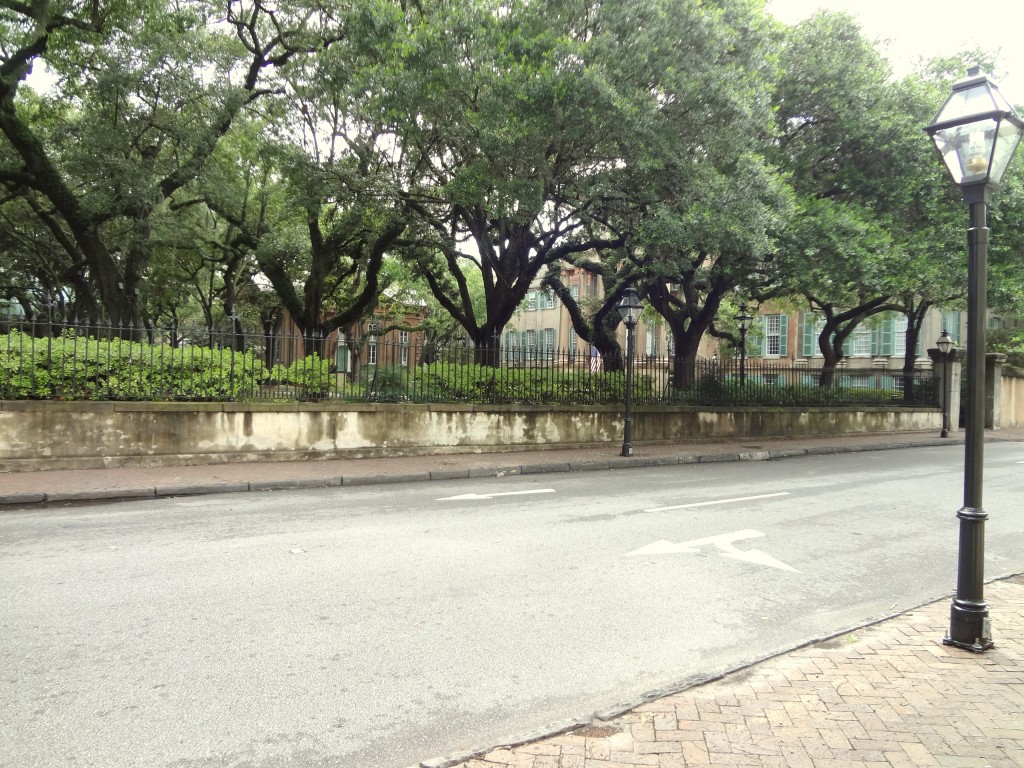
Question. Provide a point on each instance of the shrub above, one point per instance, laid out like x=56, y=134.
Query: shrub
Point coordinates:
x=452, y=382
x=73, y=367
x=312, y=374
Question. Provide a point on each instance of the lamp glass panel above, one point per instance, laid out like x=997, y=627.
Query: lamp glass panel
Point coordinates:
x=1001, y=103
x=975, y=100
x=629, y=307
x=967, y=150
x=1007, y=140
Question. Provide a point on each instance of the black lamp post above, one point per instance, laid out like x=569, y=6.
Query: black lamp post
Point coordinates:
x=629, y=310
x=743, y=317
x=976, y=133
x=944, y=344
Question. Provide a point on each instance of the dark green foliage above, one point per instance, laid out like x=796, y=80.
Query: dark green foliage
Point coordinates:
x=717, y=391
x=72, y=367
x=1010, y=343
x=81, y=367
x=387, y=384
x=481, y=384
x=312, y=375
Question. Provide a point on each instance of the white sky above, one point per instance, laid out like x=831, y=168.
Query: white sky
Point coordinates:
x=910, y=29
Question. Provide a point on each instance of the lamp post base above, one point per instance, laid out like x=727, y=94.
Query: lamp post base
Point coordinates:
x=627, y=449
x=970, y=628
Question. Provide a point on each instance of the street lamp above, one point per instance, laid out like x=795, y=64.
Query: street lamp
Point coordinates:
x=629, y=311
x=743, y=317
x=976, y=133
x=944, y=344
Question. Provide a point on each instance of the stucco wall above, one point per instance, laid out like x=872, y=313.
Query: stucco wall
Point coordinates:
x=52, y=435
x=1012, y=399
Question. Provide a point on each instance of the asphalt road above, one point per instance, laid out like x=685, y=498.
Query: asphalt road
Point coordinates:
x=373, y=627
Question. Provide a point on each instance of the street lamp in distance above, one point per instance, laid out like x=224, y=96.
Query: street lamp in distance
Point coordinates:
x=944, y=344
x=976, y=133
x=629, y=311
x=743, y=317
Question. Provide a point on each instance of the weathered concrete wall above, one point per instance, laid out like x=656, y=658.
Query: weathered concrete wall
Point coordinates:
x=70, y=435
x=1012, y=398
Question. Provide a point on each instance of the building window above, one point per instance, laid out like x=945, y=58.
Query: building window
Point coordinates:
x=899, y=325
x=573, y=341
x=773, y=343
x=574, y=291
x=862, y=340
x=403, y=343
x=531, y=345
x=651, y=347
x=531, y=301
x=549, y=343
x=951, y=325
x=371, y=350
x=341, y=360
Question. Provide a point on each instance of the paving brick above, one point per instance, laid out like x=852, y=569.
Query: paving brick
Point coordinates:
x=888, y=695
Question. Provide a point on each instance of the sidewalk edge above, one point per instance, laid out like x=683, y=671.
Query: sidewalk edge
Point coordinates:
x=687, y=683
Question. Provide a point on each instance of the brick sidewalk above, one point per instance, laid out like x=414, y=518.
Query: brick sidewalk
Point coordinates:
x=890, y=694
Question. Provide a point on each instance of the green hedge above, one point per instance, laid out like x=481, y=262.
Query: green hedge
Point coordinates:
x=71, y=367
x=74, y=367
x=456, y=383
x=716, y=391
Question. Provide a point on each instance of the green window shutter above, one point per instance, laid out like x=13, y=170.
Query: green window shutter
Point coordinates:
x=809, y=340
x=759, y=325
x=876, y=340
x=783, y=335
x=888, y=346
x=848, y=345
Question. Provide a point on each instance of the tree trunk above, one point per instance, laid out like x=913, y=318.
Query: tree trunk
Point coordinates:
x=915, y=320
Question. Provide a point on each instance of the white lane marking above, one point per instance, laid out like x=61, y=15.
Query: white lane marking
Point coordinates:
x=474, y=496
x=719, y=501
x=724, y=542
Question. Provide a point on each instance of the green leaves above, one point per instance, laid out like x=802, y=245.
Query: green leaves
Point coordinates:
x=72, y=367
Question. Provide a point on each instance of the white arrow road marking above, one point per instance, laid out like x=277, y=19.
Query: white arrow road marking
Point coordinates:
x=724, y=542
x=719, y=501
x=474, y=496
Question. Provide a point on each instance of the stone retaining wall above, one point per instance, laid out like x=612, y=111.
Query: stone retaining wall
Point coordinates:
x=1012, y=398
x=78, y=435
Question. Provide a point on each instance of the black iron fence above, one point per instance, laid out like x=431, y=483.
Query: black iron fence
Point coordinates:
x=51, y=361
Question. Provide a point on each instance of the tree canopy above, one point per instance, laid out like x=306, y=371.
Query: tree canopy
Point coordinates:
x=242, y=160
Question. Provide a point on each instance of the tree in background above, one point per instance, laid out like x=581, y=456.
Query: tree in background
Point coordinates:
x=835, y=121
x=145, y=93
x=686, y=71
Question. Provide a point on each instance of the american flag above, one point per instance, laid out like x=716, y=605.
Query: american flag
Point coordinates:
x=595, y=360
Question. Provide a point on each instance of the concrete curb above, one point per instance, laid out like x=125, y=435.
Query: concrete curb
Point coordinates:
x=310, y=483
x=201, y=490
